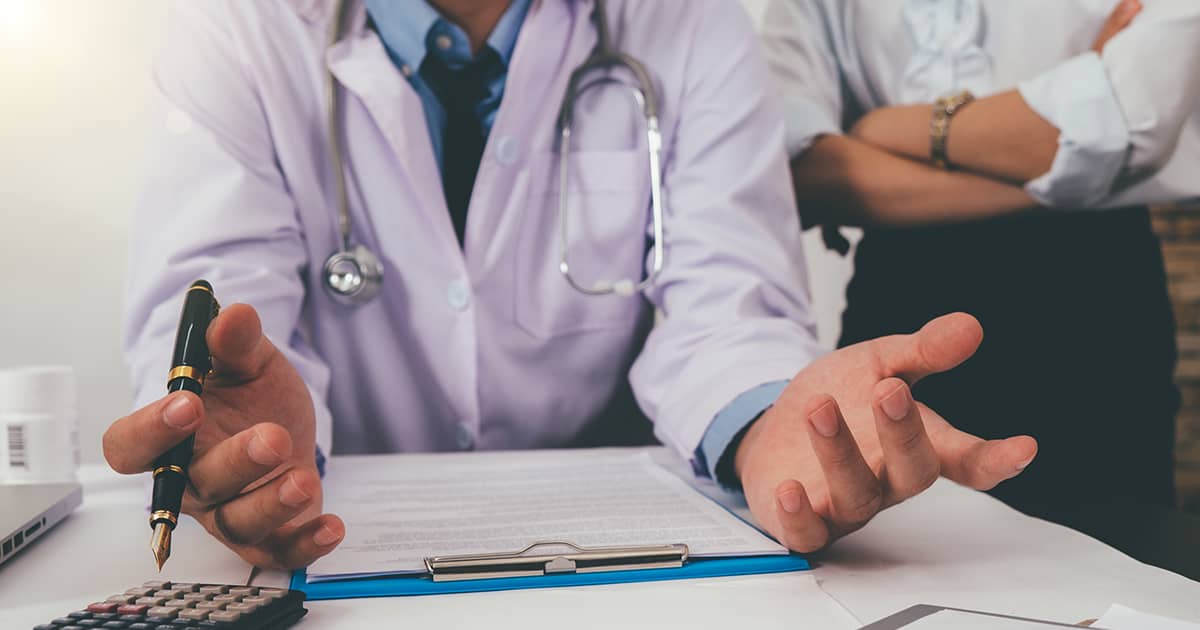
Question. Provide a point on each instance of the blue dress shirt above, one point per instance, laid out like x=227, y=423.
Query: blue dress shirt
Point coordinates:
x=412, y=29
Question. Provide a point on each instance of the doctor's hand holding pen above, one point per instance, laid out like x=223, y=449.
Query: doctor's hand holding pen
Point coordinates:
x=846, y=439
x=253, y=477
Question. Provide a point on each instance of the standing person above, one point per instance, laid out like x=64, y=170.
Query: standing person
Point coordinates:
x=446, y=141
x=1000, y=155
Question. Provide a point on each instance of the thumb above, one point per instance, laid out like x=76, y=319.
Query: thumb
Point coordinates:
x=940, y=345
x=239, y=348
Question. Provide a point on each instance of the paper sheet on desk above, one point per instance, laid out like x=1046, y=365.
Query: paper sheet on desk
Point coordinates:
x=399, y=510
x=1121, y=618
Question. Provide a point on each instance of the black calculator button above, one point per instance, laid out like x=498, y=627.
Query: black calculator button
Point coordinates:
x=140, y=625
x=89, y=623
x=115, y=624
x=80, y=614
x=70, y=628
x=47, y=626
x=104, y=616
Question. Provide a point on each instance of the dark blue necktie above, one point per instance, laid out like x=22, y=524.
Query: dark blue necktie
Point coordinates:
x=460, y=92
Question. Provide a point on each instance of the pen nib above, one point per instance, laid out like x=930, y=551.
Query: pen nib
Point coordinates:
x=160, y=544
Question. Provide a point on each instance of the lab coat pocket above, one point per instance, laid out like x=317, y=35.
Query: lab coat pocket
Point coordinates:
x=608, y=201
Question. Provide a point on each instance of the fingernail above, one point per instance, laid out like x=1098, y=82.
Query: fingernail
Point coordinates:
x=895, y=404
x=261, y=452
x=180, y=413
x=1022, y=465
x=325, y=536
x=790, y=502
x=291, y=495
x=824, y=420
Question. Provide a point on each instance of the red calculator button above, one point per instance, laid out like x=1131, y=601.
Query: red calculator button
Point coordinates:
x=132, y=609
x=102, y=607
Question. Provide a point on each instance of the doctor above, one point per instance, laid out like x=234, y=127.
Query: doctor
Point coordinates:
x=476, y=340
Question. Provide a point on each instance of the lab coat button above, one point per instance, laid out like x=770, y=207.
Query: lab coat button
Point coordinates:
x=444, y=42
x=458, y=295
x=463, y=436
x=507, y=150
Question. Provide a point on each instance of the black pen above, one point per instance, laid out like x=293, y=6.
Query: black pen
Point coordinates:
x=190, y=364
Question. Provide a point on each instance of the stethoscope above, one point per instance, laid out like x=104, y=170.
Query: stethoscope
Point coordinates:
x=353, y=274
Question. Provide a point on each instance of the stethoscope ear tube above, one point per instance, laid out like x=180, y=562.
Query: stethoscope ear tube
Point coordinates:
x=353, y=274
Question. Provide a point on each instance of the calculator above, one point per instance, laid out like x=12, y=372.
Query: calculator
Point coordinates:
x=179, y=606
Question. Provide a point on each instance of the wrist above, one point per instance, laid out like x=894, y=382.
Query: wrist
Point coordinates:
x=939, y=126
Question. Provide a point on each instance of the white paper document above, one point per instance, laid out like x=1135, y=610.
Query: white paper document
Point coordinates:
x=402, y=509
x=1120, y=617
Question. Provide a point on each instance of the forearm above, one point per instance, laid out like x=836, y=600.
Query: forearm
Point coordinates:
x=844, y=181
x=999, y=136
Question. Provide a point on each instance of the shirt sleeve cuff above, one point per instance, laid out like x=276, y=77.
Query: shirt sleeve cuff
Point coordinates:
x=1077, y=98
x=726, y=429
x=804, y=123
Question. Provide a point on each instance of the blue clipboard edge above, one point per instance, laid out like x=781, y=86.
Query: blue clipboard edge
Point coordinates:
x=392, y=586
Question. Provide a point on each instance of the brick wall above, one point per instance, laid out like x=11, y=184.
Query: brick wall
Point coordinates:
x=1179, y=229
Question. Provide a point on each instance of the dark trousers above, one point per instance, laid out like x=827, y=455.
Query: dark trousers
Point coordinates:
x=1079, y=343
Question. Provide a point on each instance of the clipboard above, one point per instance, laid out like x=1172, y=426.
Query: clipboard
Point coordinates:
x=548, y=564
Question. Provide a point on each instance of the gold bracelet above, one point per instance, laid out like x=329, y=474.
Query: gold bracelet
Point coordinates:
x=939, y=127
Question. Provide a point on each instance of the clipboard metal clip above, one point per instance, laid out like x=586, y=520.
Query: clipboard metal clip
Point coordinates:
x=554, y=557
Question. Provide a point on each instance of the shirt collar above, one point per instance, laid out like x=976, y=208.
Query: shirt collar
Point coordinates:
x=410, y=29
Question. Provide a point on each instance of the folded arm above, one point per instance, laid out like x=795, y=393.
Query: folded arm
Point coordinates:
x=842, y=180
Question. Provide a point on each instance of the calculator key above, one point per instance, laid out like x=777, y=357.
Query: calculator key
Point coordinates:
x=123, y=598
x=210, y=605
x=47, y=626
x=116, y=624
x=62, y=621
x=180, y=603
x=89, y=623
x=103, y=616
x=163, y=612
x=132, y=609
x=185, y=587
x=243, y=591
x=225, y=598
x=194, y=614
x=140, y=626
x=80, y=614
x=242, y=607
x=272, y=592
x=197, y=597
x=139, y=591
x=228, y=616
x=157, y=584
x=169, y=593
x=130, y=618
x=149, y=601
x=257, y=600
x=215, y=589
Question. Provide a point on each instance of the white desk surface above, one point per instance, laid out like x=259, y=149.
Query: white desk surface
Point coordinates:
x=950, y=546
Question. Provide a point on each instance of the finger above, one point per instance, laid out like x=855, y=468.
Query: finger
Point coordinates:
x=909, y=459
x=252, y=517
x=298, y=547
x=132, y=443
x=940, y=345
x=240, y=350
x=975, y=462
x=224, y=470
x=1121, y=17
x=800, y=528
x=854, y=491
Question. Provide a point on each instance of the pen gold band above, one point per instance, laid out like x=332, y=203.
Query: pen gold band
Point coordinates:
x=163, y=515
x=186, y=371
x=200, y=287
x=162, y=469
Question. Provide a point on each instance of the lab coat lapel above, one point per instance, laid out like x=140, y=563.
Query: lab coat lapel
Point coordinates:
x=362, y=66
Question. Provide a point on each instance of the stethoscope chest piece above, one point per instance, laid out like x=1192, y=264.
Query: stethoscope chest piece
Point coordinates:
x=353, y=276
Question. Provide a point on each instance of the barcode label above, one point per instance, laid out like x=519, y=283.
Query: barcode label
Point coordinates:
x=16, y=447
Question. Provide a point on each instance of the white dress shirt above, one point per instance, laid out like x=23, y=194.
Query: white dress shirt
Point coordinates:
x=1129, y=118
